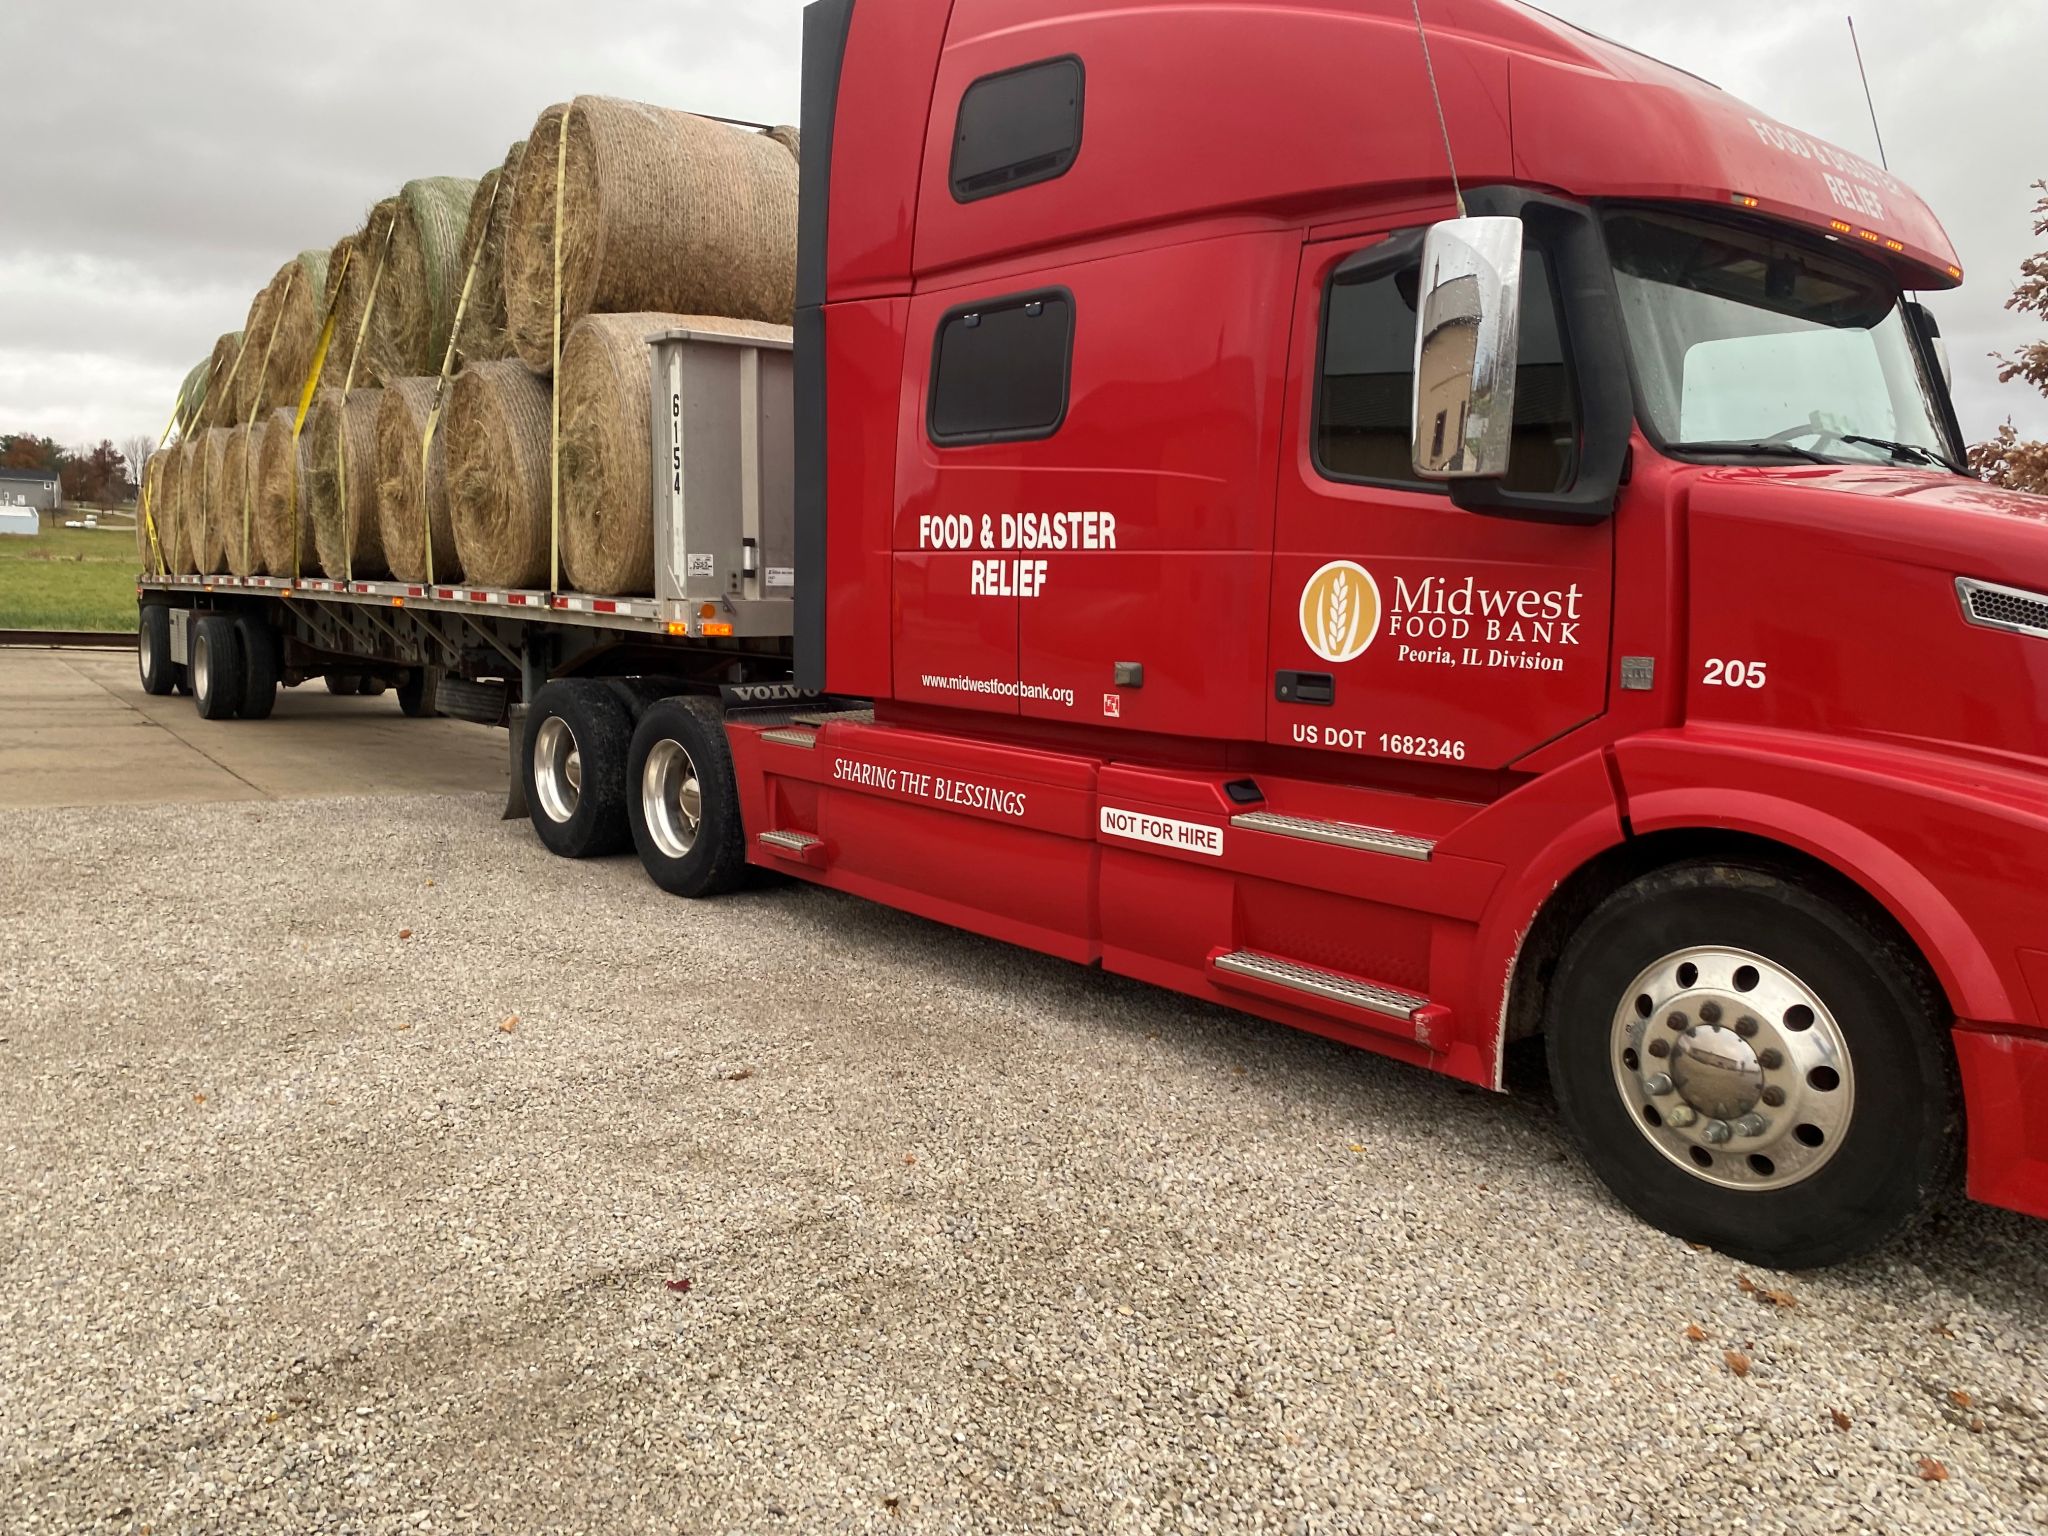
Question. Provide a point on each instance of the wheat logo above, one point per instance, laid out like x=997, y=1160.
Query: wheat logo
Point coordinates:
x=1340, y=611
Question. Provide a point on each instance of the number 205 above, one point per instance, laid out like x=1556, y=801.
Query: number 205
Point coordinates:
x=1734, y=674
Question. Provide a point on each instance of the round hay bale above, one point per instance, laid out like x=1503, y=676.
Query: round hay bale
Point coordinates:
x=346, y=538
x=607, y=500
x=789, y=138
x=483, y=322
x=496, y=425
x=184, y=502
x=422, y=275
x=296, y=299
x=151, y=503
x=401, y=428
x=284, y=498
x=207, y=527
x=220, y=385
x=375, y=362
x=238, y=514
x=191, y=397
x=661, y=211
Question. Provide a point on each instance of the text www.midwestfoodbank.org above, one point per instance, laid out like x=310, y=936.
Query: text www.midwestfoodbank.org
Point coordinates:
x=997, y=688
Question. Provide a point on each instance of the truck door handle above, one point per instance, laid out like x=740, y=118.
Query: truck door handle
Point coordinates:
x=1304, y=687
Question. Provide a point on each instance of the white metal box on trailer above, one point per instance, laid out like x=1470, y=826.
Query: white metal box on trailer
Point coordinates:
x=724, y=470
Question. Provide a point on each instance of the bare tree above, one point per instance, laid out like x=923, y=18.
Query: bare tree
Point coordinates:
x=2008, y=459
x=135, y=451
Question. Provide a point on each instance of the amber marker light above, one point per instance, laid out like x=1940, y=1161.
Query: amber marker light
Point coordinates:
x=676, y=628
x=1743, y=200
x=717, y=629
x=1840, y=228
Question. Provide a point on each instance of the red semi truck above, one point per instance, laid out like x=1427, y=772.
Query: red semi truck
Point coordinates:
x=1427, y=546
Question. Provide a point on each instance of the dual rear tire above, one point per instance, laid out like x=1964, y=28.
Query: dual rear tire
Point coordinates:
x=597, y=782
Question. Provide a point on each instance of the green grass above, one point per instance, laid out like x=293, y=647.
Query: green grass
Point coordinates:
x=68, y=578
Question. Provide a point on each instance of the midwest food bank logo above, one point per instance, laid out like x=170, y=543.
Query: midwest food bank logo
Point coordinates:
x=1340, y=611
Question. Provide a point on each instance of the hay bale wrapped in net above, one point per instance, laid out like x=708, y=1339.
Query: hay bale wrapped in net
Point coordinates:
x=182, y=500
x=295, y=304
x=219, y=408
x=207, y=525
x=284, y=498
x=354, y=279
x=661, y=211
x=191, y=398
x=483, y=334
x=244, y=553
x=607, y=499
x=345, y=536
x=789, y=138
x=422, y=276
x=496, y=424
x=401, y=428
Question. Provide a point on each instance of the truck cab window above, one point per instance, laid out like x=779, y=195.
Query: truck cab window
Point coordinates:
x=1365, y=388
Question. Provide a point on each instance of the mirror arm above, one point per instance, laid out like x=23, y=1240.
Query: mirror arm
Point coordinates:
x=1403, y=249
x=1596, y=348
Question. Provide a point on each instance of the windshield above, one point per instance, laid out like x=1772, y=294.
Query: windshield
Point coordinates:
x=1743, y=339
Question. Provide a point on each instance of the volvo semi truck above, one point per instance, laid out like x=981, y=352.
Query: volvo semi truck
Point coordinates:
x=1433, y=538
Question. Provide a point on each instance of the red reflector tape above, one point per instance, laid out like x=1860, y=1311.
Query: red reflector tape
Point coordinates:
x=479, y=597
x=601, y=606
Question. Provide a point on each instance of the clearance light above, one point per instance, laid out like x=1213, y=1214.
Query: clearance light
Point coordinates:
x=717, y=629
x=1955, y=272
x=1840, y=228
x=677, y=629
x=1894, y=245
x=1743, y=200
x=1869, y=234
x=398, y=602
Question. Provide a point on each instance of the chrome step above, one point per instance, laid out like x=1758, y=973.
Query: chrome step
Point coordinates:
x=791, y=736
x=1428, y=1023
x=1339, y=834
x=791, y=842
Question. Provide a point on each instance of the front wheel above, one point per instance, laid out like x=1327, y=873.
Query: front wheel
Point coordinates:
x=1752, y=1064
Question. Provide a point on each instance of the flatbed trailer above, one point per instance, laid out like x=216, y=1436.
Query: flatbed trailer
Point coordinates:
x=1229, y=550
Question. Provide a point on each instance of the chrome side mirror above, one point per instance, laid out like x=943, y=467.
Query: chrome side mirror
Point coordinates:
x=1465, y=349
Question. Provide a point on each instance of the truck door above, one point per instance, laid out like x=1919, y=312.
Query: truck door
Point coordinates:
x=1402, y=626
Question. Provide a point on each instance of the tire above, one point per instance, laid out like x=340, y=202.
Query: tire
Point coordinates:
x=370, y=687
x=574, y=758
x=419, y=694
x=345, y=684
x=1781, y=1015
x=261, y=663
x=216, y=670
x=153, y=650
x=683, y=800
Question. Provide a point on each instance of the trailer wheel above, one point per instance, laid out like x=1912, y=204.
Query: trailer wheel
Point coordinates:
x=261, y=663
x=216, y=670
x=153, y=650
x=369, y=687
x=1749, y=1063
x=345, y=684
x=684, y=801
x=419, y=695
x=577, y=733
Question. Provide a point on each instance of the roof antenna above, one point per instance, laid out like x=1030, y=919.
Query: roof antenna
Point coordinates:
x=1429, y=64
x=1875, y=131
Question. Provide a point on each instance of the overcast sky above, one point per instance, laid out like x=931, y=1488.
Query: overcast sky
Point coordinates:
x=165, y=159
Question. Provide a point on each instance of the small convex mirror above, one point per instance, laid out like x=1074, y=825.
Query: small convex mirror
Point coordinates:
x=1469, y=324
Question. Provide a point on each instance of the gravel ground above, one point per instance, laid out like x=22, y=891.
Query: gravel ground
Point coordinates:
x=366, y=1169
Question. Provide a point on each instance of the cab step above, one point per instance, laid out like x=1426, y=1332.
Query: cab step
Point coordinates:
x=799, y=847
x=791, y=736
x=1339, y=834
x=1387, y=1010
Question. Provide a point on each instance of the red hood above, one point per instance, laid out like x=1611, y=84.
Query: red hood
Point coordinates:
x=1912, y=516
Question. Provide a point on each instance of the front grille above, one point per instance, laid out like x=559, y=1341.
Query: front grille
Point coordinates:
x=1996, y=607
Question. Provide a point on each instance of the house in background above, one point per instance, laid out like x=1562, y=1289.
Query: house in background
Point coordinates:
x=37, y=489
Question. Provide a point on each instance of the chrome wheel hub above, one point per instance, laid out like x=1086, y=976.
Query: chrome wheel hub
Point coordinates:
x=148, y=652
x=202, y=668
x=1733, y=1068
x=671, y=798
x=557, y=769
